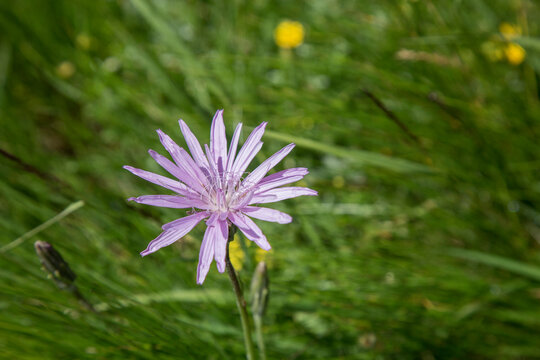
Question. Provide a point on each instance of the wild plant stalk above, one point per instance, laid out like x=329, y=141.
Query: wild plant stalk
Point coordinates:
x=259, y=299
x=60, y=272
x=260, y=339
x=240, y=301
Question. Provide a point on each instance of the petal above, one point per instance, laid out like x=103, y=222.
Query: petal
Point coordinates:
x=220, y=244
x=169, y=201
x=192, y=174
x=239, y=172
x=193, y=145
x=244, y=201
x=266, y=214
x=184, y=190
x=179, y=222
x=233, y=146
x=214, y=171
x=279, y=194
x=174, y=233
x=218, y=139
x=261, y=170
x=169, y=145
x=250, y=230
x=174, y=170
x=206, y=254
x=248, y=151
x=194, y=170
x=280, y=178
x=160, y=180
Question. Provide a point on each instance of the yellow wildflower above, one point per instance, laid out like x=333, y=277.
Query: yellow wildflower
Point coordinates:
x=514, y=53
x=509, y=31
x=236, y=253
x=289, y=34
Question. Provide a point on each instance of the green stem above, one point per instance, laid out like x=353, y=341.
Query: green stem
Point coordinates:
x=260, y=340
x=240, y=301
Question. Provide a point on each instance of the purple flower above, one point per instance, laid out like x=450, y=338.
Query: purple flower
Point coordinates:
x=212, y=182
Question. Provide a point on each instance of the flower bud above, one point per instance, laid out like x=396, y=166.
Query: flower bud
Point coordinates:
x=55, y=265
x=259, y=290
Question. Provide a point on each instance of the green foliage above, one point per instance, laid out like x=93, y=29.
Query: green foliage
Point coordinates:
x=445, y=156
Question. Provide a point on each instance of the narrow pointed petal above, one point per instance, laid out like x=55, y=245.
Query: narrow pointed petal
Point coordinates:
x=180, y=222
x=172, y=148
x=193, y=145
x=194, y=170
x=279, y=194
x=267, y=214
x=193, y=176
x=242, y=169
x=172, y=169
x=250, y=230
x=233, y=146
x=248, y=151
x=160, y=180
x=280, y=178
x=206, y=254
x=267, y=165
x=184, y=190
x=218, y=140
x=214, y=172
x=169, y=236
x=169, y=201
x=220, y=244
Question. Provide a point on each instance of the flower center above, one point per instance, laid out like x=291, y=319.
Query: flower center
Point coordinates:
x=227, y=192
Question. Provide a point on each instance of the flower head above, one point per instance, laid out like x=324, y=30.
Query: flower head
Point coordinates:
x=509, y=31
x=55, y=265
x=212, y=183
x=514, y=53
x=289, y=34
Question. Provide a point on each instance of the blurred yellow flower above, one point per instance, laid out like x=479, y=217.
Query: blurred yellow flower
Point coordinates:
x=496, y=49
x=509, y=31
x=236, y=253
x=514, y=53
x=289, y=34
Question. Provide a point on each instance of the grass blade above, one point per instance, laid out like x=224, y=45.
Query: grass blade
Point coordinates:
x=357, y=156
x=516, y=267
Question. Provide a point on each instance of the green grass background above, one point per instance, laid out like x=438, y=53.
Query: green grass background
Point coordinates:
x=422, y=244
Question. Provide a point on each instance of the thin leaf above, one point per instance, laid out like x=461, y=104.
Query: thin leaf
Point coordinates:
x=516, y=267
x=358, y=156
